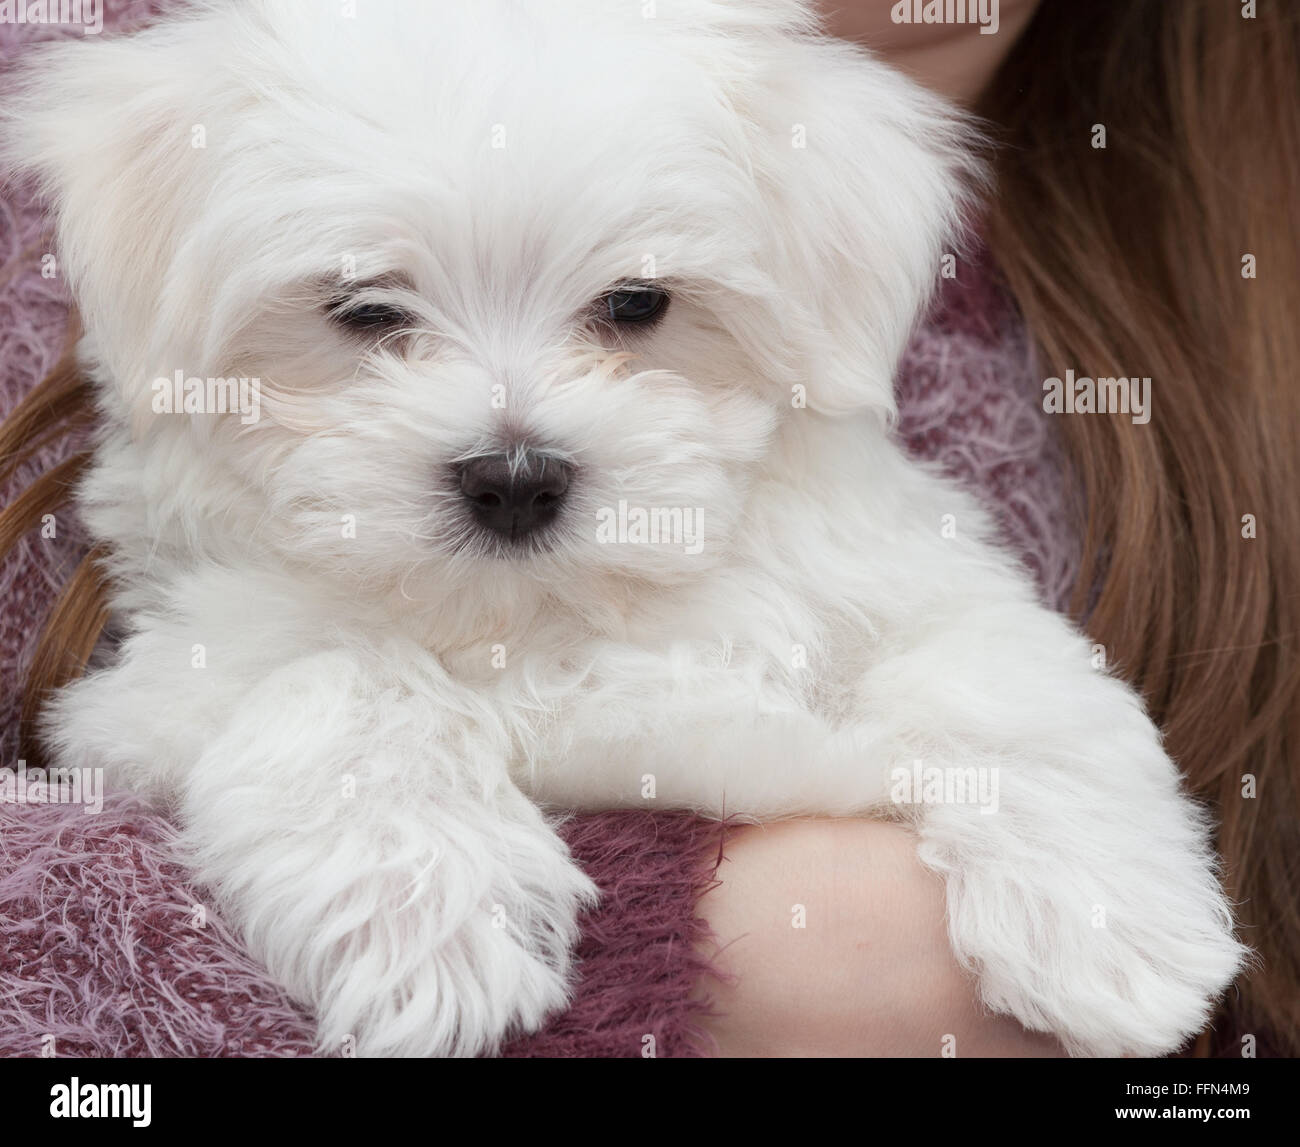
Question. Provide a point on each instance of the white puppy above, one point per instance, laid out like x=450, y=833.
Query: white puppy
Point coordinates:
x=564, y=480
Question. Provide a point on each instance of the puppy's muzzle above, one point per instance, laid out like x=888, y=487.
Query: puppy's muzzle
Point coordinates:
x=512, y=494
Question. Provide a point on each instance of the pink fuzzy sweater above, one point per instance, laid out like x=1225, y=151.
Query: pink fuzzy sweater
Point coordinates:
x=102, y=951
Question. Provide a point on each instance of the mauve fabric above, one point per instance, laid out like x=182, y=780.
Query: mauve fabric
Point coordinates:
x=107, y=949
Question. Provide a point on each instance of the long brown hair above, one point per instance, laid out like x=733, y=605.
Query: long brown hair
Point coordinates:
x=1134, y=260
x=1125, y=260
x=62, y=404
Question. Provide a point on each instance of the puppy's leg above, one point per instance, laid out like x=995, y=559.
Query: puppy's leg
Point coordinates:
x=363, y=836
x=708, y=751
x=350, y=809
x=1084, y=894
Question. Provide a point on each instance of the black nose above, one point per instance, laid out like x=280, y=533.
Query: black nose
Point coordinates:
x=513, y=494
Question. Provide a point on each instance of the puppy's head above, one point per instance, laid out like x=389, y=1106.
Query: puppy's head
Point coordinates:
x=521, y=291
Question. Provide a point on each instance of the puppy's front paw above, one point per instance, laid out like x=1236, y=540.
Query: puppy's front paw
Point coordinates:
x=452, y=968
x=1118, y=959
x=369, y=846
x=425, y=926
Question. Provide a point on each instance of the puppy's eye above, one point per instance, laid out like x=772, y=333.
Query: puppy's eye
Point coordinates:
x=370, y=318
x=635, y=303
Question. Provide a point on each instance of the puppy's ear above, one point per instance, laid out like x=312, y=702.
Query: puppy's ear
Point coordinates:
x=871, y=180
x=105, y=130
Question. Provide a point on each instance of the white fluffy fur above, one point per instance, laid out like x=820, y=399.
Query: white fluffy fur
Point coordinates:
x=433, y=911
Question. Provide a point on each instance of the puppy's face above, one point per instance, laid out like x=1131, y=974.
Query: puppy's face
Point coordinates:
x=516, y=315
x=527, y=290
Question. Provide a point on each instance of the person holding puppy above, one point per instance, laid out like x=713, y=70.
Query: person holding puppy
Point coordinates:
x=1181, y=512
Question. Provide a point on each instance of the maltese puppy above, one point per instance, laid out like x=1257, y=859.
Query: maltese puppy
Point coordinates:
x=497, y=405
